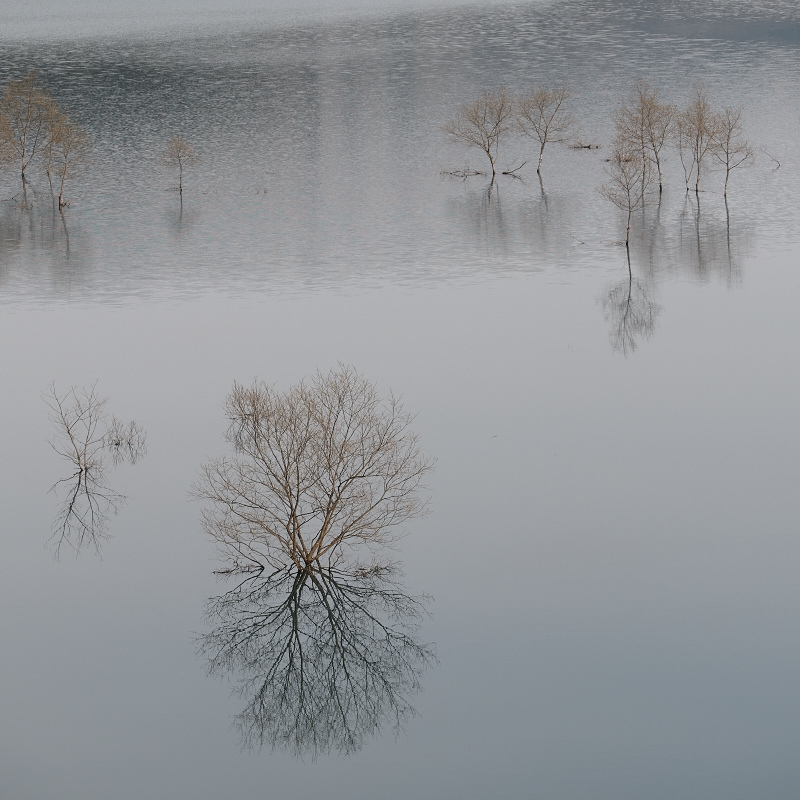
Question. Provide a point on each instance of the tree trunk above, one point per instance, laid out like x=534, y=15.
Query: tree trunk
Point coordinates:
x=541, y=156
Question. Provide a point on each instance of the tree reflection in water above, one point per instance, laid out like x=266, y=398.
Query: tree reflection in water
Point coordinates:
x=323, y=657
x=319, y=637
x=87, y=436
x=631, y=311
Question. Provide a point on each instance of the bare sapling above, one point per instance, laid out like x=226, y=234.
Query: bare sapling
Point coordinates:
x=627, y=181
x=25, y=108
x=66, y=152
x=179, y=153
x=730, y=148
x=543, y=115
x=484, y=124
x=696, y=135
x=648, y=123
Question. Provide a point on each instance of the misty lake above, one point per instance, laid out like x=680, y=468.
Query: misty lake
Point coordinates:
x=612, y=544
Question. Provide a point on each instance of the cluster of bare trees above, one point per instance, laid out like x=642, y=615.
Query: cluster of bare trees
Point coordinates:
x=702, y=136
x=644, y=127
x=34, y=128
x=542, y=115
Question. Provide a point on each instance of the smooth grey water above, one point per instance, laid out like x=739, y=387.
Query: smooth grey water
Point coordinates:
x=612, y=545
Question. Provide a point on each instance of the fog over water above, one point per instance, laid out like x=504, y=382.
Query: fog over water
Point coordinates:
x=612, y=543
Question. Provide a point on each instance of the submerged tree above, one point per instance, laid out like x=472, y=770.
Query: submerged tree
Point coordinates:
x=627, y=180
x=326, y=469
x=179, y=153
x=25, y=108
x=86, y=436
x=696, y=134
x=67, y=150
x=646, y=124
x=484, y=124
x=322, y=657
x=543, y=115
x=319, y=634
x=730, y=147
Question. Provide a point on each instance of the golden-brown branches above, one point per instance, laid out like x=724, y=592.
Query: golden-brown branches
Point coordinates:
x=730, y=148
x=696, y=133
x=646, y=124
x=543, y=115
x=628, y=179
x=25, y=108
x=484, y=124
x=67, y=149
x=318, y=473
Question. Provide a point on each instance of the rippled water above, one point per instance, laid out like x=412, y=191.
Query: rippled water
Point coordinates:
x=613, y=545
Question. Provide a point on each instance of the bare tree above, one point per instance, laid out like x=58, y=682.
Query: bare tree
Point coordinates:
x=627, y=179
x=179, y=153
x=696, y=134
x=85, y=433
x=319, y=473
x=730, y=147
x=647, y=124
x=484, y=124
x=323, y=658
x=66, y=151
x=542, y=114
x=25, y=108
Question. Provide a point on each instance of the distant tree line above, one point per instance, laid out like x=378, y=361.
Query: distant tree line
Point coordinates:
x=703, y=137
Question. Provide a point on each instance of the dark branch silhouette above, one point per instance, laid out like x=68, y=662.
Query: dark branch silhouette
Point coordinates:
x=323, y=658
x=631, y=312
x=86, y=436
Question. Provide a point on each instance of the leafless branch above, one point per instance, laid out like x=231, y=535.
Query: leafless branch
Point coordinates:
x=323, y=658
x=484, y=124
x=543, y=115
x=84, y=435
x=324, y=469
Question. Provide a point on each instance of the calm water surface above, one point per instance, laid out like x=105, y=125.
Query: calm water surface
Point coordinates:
x=613, y=546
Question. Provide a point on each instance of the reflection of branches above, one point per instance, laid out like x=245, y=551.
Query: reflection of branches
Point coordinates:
x=324, y=658
x=125, y=442
x=631, y=312
x=84, y=433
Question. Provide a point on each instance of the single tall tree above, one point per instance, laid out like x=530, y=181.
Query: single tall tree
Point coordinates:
x=179, y=153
